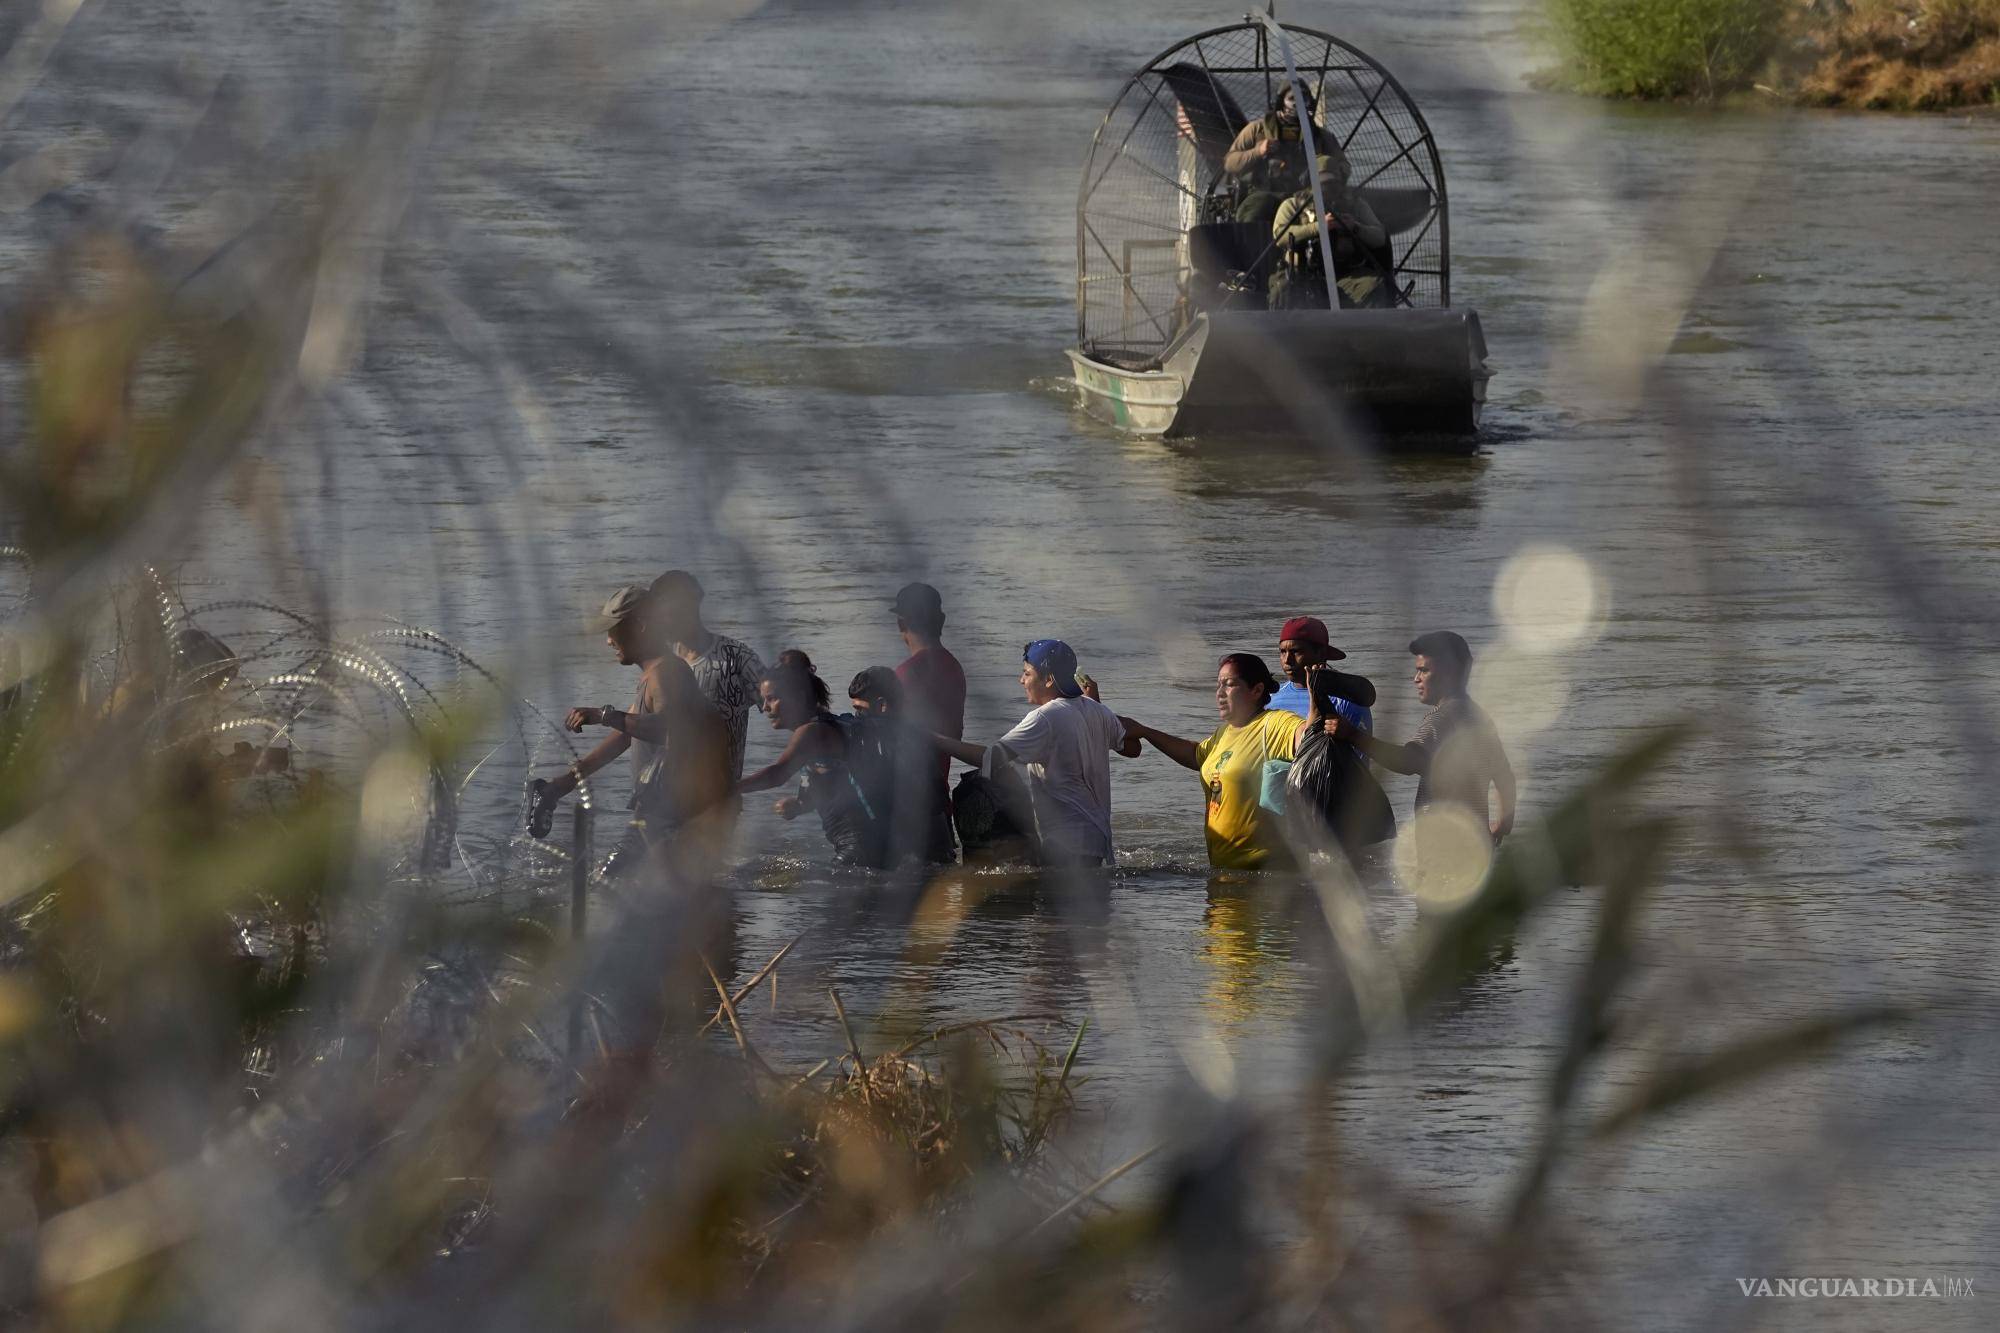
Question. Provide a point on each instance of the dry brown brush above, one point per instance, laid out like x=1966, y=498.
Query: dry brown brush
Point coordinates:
x=1898, y=55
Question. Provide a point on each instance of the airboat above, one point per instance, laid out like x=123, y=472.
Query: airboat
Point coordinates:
x=1176, y=330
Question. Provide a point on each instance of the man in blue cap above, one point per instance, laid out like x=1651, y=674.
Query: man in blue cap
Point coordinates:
x=1063, y=747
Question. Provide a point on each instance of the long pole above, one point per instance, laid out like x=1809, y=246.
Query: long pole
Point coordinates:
x=1277, y=30
x=579, y=906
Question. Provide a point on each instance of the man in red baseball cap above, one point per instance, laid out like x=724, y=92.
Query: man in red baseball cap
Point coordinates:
x=1303, y=646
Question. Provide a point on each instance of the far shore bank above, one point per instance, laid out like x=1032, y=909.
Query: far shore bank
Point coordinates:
x=1872, y=55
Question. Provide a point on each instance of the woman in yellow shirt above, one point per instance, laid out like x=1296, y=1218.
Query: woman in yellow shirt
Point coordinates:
x=1242, y=835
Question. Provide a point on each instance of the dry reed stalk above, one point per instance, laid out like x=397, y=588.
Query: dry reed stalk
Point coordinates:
x=742, y=1041
x=807, y=1077
x=1090, y=1191
x=853, y=1047
x=743, y=991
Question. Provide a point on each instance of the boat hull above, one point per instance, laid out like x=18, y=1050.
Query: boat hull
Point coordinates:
x=1139, y=402
x=1403, y=375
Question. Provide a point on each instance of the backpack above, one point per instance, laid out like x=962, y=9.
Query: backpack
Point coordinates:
x=994, y=819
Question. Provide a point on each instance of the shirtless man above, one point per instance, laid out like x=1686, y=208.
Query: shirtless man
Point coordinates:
x=679, y=744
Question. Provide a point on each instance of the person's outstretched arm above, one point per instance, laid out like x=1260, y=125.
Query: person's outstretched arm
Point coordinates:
x=670, y=691
x=1410, y=758
x=968, y=751
x=806, y=744
x=1027, y=743
x=1179, y=749
x=600, y=754
x=652, y=728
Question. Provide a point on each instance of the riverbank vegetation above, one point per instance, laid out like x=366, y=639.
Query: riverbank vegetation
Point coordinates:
x=1905, y=55
x=1875, y=54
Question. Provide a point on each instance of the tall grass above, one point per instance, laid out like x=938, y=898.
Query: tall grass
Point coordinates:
x=1892, y=54
x=1666, y=48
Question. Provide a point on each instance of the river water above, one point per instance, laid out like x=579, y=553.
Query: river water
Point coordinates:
x=1739, y=374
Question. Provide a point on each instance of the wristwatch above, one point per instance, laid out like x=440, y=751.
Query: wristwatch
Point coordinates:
x=604, y=712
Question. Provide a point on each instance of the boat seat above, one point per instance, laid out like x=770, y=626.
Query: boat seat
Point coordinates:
x=1218, y=249
x=1398, y=208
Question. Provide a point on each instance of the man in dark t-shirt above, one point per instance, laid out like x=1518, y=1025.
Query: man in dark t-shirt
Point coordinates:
x=933, y=681
x=1466, y=758
x=1456, y=754
x=898, y=756
x=726, y=669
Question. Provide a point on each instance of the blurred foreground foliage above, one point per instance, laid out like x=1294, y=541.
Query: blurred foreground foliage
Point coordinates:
x=134, y=397
x=251, y=1073
x=224, y=1052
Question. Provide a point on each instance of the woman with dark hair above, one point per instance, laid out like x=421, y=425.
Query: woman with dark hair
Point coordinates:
x=799, y=667
x=1242, y=833
x=796, y=700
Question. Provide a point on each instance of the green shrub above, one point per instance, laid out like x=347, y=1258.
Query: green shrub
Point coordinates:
x=1665, y=48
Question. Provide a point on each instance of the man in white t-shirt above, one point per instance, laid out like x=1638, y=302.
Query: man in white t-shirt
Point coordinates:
x=1063, y=746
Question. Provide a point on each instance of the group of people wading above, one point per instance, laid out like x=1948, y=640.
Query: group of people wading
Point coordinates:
x=1286, y=769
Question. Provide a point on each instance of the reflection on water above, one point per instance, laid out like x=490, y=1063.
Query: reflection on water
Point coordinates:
x=1249, y=930
x=1489, y=979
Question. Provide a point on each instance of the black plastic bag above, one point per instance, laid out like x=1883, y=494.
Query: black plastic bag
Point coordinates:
x=995, y=819
x=1330, y=790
